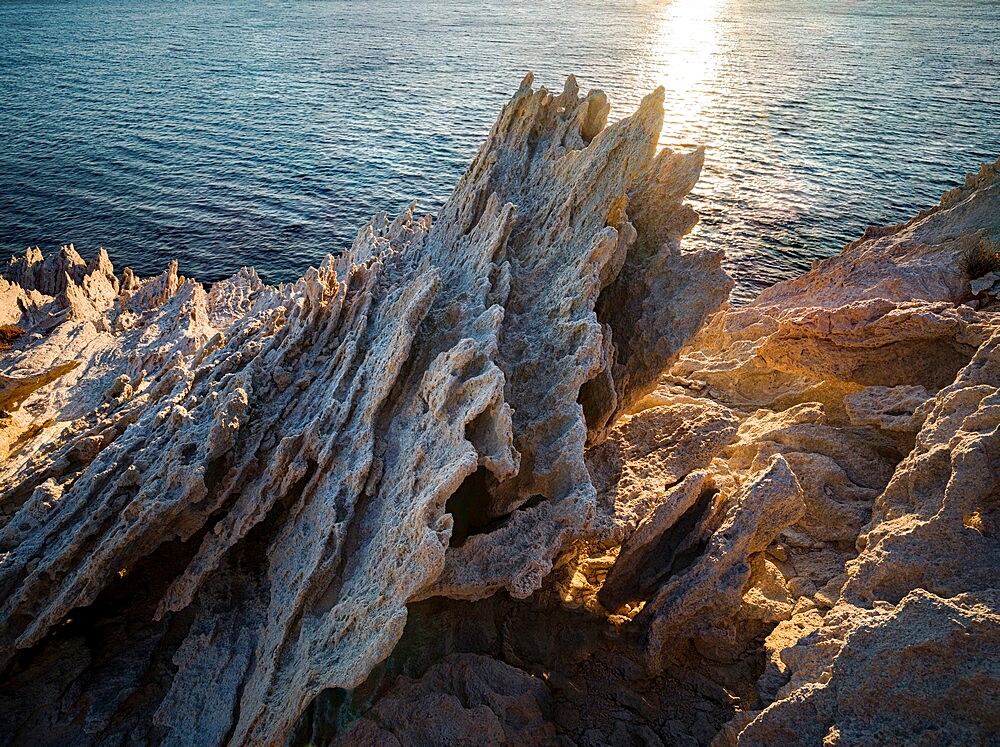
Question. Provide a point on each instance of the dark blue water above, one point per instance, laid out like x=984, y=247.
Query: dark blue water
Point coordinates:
x=232, y=133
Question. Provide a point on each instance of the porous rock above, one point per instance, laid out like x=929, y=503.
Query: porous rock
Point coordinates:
x=438, y=490
x=226, y=504
x=464, y=699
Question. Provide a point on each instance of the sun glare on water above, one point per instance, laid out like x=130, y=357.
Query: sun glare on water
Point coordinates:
x=684, y=60
x=690, y=55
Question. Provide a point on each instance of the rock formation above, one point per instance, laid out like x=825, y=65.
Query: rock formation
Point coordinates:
x=510, y=476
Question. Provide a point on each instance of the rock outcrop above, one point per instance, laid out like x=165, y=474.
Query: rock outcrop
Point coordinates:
x=232, y=496
x=464, y=699
x=901, y=646
x=511, y=476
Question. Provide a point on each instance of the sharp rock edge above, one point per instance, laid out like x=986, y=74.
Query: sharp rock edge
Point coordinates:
x=795, y=540
x=217, y=503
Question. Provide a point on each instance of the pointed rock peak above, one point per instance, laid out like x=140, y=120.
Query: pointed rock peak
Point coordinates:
x=653, y=99
x=571, y=88
x=129, y=280
x=596, y=117
x=70, y=253
x=432, y=362
x=650, y=113
x=528, y=80
x=101, y=261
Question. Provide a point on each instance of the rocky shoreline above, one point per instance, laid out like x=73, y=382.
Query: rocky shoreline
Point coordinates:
x=516, y=475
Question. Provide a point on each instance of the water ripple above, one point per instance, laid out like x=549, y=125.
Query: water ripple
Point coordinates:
x=236, y=133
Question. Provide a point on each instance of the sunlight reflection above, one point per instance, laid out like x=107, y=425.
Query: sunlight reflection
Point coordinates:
x=688, y=57
x=685, y=61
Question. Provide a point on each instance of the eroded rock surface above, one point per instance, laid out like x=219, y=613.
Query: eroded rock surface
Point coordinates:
x=502, y=477
x=226, y=498
x=901, y=647
x=464, y=699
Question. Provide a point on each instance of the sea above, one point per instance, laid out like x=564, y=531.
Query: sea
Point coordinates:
x=231, y=132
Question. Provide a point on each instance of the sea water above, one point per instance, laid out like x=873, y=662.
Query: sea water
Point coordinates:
x=265, y=133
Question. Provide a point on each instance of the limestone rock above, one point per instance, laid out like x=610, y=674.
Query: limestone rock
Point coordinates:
x=733, y=529
x=887, y=311
x=919, y=260
x=650, y=452
x=800, y=517
x=897, y=408
x=918, y=673
x=914, y=619
x=438, y=490
x=228, y=502
x=703, y=588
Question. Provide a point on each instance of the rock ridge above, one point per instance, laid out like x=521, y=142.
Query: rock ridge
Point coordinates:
x=512, y=474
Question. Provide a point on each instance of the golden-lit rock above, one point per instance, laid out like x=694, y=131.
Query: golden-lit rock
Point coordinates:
x=482, y=478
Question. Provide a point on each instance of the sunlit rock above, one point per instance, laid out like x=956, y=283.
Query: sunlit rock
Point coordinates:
x=230, y=498
x=492, y=477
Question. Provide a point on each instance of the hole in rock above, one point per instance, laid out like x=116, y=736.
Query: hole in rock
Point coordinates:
x=597, y=397
x=469, y=507
x=472, y=509
x=673, y=552
x=932, y=363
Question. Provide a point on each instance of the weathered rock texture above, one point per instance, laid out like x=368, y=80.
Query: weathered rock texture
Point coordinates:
x=218, y=503
x=464, y=699
x=440, y=490
x=894, y=636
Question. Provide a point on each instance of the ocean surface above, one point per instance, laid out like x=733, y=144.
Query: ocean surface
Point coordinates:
x=265, y=133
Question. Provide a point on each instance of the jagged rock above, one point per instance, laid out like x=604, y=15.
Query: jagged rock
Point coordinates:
x=641, y=471
x=18, y=305
x=922, y=672
x=876, y=342
x=219, y=507
x=663, y=543
x=914, y=617
x=707, y=586
x=15, y=389
x=39, y=287
x=935, y=526
x=48, y=275
x=979, y=285
x=225, y=507
x=886, y=311
x=696, y=593
x=919, y=260
x=648, y=453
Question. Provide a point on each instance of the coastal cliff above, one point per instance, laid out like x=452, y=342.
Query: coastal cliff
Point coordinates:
x=514, y=475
